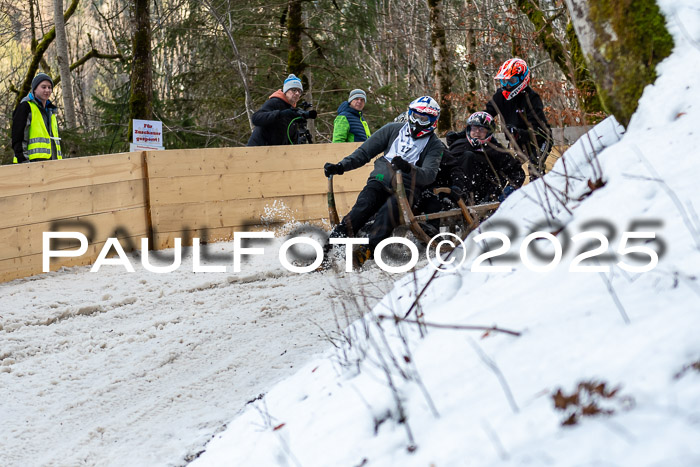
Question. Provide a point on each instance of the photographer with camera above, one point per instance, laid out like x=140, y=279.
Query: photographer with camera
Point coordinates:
x=279, y=121
x=297, y=132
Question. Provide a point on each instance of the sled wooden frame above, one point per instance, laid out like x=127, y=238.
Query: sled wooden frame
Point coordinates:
x=470, y=216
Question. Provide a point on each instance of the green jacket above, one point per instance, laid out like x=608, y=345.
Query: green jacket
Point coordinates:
x=342, y=126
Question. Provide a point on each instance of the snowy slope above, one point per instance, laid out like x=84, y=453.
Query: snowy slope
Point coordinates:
x=474, y=398
x=117, y=368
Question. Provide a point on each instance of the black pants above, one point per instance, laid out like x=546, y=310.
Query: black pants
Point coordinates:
x=429, y=203
x=375, y=198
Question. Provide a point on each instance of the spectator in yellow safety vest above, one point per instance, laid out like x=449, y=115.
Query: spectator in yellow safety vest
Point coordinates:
x=34, y=125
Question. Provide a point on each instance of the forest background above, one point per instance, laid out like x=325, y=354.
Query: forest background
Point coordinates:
x=203, y=67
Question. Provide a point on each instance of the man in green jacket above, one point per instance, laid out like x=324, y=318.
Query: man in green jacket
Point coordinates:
x=411, y=147
x=349, y=125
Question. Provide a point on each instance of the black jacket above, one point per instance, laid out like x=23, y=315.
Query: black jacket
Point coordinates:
x=487, y=169
x=451, y=173
x=524, y=112
x=270, y=127
x=424, y=171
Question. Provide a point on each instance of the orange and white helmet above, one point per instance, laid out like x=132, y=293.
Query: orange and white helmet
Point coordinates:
x=514, y=76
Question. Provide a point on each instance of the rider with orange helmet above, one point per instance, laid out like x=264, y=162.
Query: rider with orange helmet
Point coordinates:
x=522, y=113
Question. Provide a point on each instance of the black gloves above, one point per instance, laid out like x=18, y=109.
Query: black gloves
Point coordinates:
x=333, y=169
x=399, y=164
x=519, y=134
x=455, y=194
x=289, y=113
x=293, y=113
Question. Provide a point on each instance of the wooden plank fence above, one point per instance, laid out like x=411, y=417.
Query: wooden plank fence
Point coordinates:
x=212, y=193
x=162, y=195
x=99, y=196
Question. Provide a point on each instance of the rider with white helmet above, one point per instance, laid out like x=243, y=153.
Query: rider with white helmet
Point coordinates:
x=411, y=147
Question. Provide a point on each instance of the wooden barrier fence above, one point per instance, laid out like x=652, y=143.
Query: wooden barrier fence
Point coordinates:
x=161, y=195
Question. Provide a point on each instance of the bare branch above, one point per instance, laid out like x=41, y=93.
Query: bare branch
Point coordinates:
x=463, y=327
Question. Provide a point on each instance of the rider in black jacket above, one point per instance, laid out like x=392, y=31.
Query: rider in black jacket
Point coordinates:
x=491, y=173
x=522, y=113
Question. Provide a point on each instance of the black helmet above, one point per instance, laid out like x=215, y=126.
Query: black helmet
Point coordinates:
x=483, y=120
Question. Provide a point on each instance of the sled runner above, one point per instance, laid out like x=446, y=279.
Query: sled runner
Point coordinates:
x=466, y=218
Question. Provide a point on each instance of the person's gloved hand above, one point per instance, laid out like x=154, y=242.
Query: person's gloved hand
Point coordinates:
x=506, y=193
x=399, y=164
x=312, y=114
x=333, y=169
x=519, y=134
x=455, y=194
x=288, y=113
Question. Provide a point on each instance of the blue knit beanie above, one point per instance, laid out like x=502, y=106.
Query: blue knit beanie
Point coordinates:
x=292, y=82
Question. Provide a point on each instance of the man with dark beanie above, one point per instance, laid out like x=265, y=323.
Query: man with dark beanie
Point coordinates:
x=34, y=125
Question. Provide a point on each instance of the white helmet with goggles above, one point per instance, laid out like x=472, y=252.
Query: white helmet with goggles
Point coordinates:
x=423, y=114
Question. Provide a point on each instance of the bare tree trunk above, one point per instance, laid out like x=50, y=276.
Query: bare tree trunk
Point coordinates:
x=295, y=25
x=576, y=73
x=471, y=72
x=440, y=64
x=34, y=42
x=38, y=50
x=64, y=65
x=587, y=94
x=141, y=98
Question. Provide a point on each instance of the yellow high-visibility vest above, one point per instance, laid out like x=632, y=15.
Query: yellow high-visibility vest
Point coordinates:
x=39, y=146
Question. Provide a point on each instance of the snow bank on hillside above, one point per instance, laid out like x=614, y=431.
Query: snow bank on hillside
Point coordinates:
x=474, y=398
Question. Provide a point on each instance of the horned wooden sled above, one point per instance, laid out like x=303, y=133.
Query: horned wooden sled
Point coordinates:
x=466, y=218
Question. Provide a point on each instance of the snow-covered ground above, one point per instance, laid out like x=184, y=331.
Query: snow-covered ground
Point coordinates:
x=116, y=368
x=626, y=343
